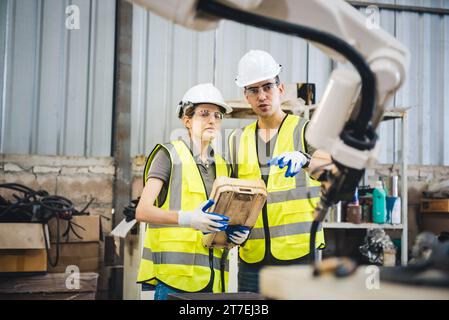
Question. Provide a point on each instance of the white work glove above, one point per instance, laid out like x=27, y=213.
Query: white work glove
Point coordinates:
x=199, y=219
x=237, y=234
x=295, y=161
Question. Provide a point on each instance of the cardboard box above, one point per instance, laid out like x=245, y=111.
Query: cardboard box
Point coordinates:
x=22, y=236
x=22, y=247
x=435, y=222
x=435, y=205
x=84, y=255
x=87, y=227
x=389, y=258
x=23, y=260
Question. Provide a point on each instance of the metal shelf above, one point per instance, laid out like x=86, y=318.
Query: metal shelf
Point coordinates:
x=401, y=114
x=396, y=113
x=348, y=225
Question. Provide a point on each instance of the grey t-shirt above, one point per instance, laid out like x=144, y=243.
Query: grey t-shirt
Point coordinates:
x=161, y=169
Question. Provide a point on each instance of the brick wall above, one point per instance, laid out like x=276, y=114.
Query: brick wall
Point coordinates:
x=80, y=179
x=77, y=178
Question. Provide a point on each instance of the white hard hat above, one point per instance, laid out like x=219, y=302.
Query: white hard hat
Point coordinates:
x=202, y=93
x=256, y=66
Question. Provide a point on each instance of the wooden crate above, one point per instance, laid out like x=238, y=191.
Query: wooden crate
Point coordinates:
x=435, y=205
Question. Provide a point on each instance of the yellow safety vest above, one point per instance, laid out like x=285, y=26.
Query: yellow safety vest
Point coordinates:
x=291, y=201
x=175, y=255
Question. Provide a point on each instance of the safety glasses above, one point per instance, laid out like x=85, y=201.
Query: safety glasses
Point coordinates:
x=266, y=88
x=205, y=114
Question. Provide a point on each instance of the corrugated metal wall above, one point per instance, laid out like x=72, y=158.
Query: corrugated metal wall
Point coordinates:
x=56, y=84
x=174, y=59
x=169, y=59
x=426, y=90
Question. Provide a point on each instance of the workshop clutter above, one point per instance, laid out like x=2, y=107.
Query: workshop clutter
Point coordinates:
x=79, y=243
x=378, y=204
x=435, y=221
x=42, y=232
x=378, y=248
x=83, y=228
x=435, y=208
x=299, y=95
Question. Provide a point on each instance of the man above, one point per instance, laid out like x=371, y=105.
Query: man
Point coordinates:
x=274, y=148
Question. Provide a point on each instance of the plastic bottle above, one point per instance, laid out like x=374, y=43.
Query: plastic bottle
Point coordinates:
x=353, y=210
x=387, y=201
x=379, y=203
x=394, y=183
x=396, y=212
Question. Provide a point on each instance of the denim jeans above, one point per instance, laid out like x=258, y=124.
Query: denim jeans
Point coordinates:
x=161, y=292
x=248, y=277
x=248, y=281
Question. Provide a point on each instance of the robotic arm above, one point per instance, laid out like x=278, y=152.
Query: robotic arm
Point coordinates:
x=353, y=103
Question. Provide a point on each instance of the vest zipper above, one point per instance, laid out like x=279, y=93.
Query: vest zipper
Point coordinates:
x=266, y=229
x=224, y=257
x=212, y=271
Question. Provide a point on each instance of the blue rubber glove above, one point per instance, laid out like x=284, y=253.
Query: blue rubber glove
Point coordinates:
x=237, y=234
x=294, y=161
x=199, y=219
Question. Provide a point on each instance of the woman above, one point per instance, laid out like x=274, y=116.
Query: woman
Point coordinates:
x=179, y=177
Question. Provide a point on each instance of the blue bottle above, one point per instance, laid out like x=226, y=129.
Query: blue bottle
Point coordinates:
x=379, y=203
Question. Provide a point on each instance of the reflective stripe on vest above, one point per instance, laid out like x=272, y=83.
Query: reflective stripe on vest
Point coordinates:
x=282, y=231
x=290, y=202
x=181, y=258
x=173, y=254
